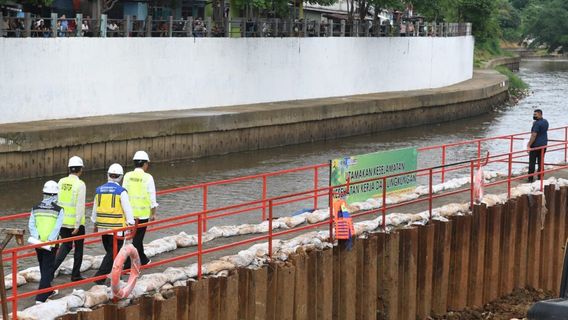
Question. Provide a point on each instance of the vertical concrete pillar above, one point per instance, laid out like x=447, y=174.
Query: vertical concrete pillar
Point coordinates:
x=166, y=309
x=79, y=18
x=560, y=236
x=477, y=256
x=344, y=280
x=507, y=249
x=388, y=247
x=459, y=262
x=27, y=24
x=441, y=267
x=534, y=238
x=521, y=248
x=198, y=299
x=492, y=246
x=54, y=25
x=320, y=286
x=425, y=268
x=407, y=273
x=229, y=297
x=342, y=30
x=182, y=294
x=547, y=240
x=366, y=288
x=301, y=282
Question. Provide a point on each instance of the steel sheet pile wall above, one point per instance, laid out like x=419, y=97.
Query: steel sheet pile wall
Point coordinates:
x=409, y=274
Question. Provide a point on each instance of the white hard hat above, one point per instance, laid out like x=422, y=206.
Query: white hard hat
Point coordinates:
x=115, y=168
x=75, y=161
x=51, y=187
x=141, y=155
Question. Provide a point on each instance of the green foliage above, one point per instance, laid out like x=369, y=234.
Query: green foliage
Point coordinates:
x=547, y=23
x=515, y=83
x=509, y=19
x=29, y=2
x=437, y=10
x=482, y=15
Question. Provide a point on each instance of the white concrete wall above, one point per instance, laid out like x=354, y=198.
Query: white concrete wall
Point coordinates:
x=64, y=78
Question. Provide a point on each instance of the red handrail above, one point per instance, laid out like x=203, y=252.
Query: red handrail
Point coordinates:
x=212, y=213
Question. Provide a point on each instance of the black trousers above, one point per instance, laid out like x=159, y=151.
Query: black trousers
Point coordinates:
x=47, y=268
x=66, y=247
x=108, y=260
x=534, y=157
x=138, y=243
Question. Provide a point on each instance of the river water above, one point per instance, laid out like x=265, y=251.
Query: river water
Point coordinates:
x=548, y=80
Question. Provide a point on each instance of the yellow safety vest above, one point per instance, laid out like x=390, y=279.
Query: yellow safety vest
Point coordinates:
x=110, y=214
x=45, y=220
x=67, y=199
x=136, y=183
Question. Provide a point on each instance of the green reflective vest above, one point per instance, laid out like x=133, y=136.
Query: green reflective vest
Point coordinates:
x=45, y=220
x=67, y=199
x=136, y=182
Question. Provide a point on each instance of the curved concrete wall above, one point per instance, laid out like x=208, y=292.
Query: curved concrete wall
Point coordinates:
x=66, y=78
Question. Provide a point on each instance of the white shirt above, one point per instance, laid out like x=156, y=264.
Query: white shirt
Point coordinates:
x=151, y=187
x=80, y=207
x=124, y=202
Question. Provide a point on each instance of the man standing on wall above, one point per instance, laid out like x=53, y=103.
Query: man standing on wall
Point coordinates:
x=142, y=192
x=539, y=138
x=72, y=191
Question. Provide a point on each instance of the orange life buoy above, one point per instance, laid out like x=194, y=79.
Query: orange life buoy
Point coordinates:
x=478, y=185
x=127, y=251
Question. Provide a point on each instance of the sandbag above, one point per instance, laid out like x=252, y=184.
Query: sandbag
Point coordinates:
x=215, y=266
x=242, y=259
x=224, y=231
x=318, y=216
x=294, y=221
x=97, y=260
x=175, y=274
x=247, y=229
x=152, y=282
x=96, y=295
x=67, y=266
x=75, y=299
x=48, y=310
x=183, y=240
x=20, y=281
x=161, y=245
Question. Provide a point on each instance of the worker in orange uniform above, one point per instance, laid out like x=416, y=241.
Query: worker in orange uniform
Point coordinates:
x=343, y=222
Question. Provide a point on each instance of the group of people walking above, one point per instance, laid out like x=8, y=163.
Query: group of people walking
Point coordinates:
x=61, y=214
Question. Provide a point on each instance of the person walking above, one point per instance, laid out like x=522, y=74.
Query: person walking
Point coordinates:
x=142, y=193
x=539, y=138
x=111, y=210
x=45, y=222
x=72, y=192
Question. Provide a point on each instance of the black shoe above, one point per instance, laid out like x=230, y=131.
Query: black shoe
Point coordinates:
x=79, y=278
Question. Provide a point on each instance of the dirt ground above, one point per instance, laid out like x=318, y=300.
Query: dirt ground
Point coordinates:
x=513, y=306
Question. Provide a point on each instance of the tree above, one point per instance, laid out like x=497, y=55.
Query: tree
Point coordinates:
x=547, y=23
x=482, y=15
x=509, y=19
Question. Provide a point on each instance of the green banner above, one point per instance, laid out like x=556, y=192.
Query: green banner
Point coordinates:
x=372, y=166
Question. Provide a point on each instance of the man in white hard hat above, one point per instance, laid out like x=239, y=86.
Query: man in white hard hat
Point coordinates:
x=142, y=193
x=45, y=222
x=72, y=192
x=111, y=210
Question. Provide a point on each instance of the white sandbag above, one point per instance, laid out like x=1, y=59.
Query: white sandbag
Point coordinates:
x=152, y=282
x=183, y=240
x=48, y=310
x=67, y=265
x=212, y=234
x=75, y=299
x=318, y=216
x=180, y=283
x=242, y=259
x=20, y=280
x=96, y=295
x=224, y=231
x=166, y=287
x=493, y=199
x=97, y=260
x=191, y=270
x=216, y=266
x=294, y=221
x=175, y=274
x=161, y=245
x=247, y=229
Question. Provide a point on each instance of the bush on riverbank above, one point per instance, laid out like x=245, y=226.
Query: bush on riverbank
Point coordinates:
x=518, y=89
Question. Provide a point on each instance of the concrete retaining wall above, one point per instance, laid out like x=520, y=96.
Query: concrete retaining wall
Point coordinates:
x=408, y=274
x=512, y=63
x=78, y=77
x=38, y=149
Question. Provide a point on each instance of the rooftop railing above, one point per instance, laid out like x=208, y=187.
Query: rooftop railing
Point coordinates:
x=79, y=26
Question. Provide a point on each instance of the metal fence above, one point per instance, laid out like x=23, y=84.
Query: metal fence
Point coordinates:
x=55, y=26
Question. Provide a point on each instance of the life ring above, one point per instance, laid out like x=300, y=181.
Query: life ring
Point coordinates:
x=127, y=251
x=478, y=185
